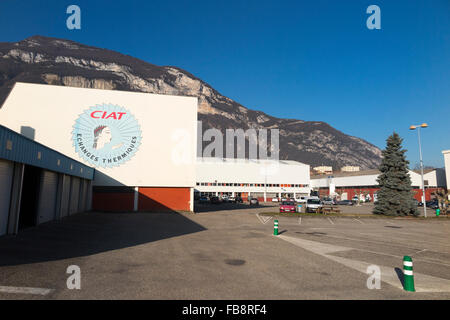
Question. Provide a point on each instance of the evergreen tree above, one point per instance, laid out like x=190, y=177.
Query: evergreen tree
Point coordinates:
x=395, y=197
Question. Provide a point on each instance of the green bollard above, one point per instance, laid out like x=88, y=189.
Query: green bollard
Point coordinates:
x=438, y=212
x=275, y=228
x=408, y=277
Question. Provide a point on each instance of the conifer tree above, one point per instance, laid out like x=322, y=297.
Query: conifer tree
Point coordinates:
x=395, y=197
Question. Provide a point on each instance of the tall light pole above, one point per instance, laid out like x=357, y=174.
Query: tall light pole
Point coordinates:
x=423, y=125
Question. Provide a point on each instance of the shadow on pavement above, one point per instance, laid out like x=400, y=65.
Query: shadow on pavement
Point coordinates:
x=90, y=233
x=400, y=275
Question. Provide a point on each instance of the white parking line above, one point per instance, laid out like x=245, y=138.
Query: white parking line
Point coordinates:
x=358, y=221
x=300, y=220
x=25, y=290
x=424, y=283
x=263, y=220
x=417, y=252
x=331, y=221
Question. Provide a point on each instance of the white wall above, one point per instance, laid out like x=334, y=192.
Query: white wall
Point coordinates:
x=361, y=180
x=252, y=171
x=436, y=178
x=446, y=154
x=53, y=110
x=350, y=181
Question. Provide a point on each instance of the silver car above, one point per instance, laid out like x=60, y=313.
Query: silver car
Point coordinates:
x=327, y=201
x=313, y=205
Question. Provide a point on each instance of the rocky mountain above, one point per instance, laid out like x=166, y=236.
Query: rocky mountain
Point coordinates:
x=62, y=62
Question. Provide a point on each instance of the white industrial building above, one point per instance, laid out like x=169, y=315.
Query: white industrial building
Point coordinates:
x=446, y=154
x=364, y=183
x=262, y=179
x=142, y=146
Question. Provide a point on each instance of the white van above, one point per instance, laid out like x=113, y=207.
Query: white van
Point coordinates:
x=304, y=199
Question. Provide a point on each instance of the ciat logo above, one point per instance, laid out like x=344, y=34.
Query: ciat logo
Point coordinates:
x=106, y=135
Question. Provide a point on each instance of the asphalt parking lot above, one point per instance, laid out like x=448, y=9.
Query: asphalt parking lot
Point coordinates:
x=225, y=254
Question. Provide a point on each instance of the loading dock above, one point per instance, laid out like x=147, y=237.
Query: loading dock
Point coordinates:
x=38, y=184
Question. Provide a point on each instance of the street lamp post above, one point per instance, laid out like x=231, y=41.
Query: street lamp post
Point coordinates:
x=423, y=125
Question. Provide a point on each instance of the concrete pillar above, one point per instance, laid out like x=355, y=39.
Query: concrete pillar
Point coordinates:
x=16, y=196
x=191, y=202
x=265, y=197
x=136, y=198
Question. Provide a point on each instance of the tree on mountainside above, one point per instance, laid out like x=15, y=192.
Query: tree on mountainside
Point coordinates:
x=395, y=197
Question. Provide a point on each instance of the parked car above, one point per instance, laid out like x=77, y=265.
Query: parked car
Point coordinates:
x=345, y=203
x=203, y=200
x=287, y=206
x=238, y=200
x=302, y=199
x=215, y=200
x=327, y=201
x=312, y=205
x=225, y=198
x=253, y=201
x=432, y=204
x=275, y=200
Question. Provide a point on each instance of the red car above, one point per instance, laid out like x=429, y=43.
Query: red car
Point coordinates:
x=287, y=206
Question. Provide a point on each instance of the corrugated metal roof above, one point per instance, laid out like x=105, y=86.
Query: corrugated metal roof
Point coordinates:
x=248, y=161
x=348, y=174
x=18, y=148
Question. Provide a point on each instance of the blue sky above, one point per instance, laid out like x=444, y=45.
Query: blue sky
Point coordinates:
x=310, y=60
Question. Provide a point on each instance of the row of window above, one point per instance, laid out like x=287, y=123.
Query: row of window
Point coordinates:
x=269, y=185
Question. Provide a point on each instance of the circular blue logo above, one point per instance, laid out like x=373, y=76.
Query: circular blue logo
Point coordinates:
x=106, y=135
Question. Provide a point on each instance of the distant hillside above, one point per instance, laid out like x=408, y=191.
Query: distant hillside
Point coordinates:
x=62, y=62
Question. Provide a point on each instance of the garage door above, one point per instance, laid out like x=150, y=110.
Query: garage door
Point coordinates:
x=47, y=196
x=82, y=196
x=6, y=175
x=74, y=195
x=65, y=198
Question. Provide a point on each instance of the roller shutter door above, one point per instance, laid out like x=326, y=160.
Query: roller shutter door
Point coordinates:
x=82, y=196
x=6, y=175
x=47, y=196
x=65, y=198
x=74, y=195
x=86, y=195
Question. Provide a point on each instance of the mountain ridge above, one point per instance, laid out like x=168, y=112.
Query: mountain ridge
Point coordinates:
x=46, y=60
